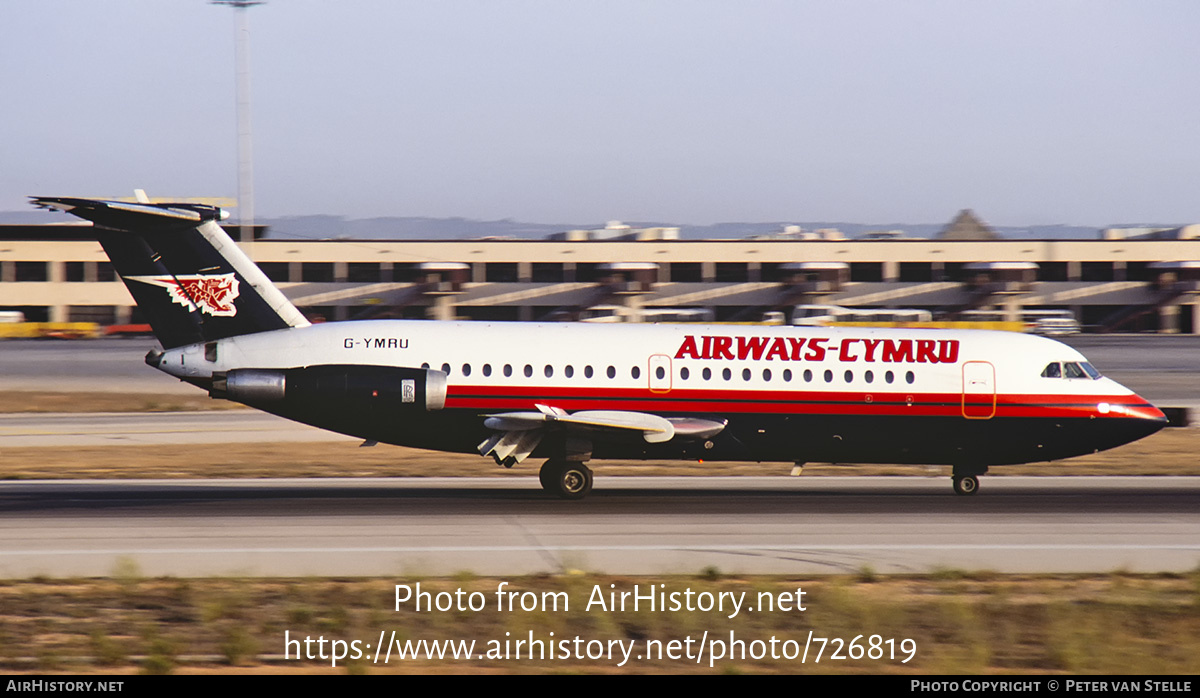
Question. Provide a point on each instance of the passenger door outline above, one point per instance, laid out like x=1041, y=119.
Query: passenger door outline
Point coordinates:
x=978, y=390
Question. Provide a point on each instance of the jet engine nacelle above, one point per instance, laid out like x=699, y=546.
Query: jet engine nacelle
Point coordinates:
x=330, y=387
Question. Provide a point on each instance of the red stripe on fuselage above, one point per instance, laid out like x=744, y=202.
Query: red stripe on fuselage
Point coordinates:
x=891, y=403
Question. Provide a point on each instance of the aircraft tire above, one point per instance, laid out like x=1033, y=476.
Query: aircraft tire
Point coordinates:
x=572, y=481
x=966, y=485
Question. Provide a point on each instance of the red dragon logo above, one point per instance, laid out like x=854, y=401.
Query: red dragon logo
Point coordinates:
x=213, y=294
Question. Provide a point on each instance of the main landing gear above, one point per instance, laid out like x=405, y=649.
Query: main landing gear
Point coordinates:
x=965, y=485
x=567, y=479
x=966, y=480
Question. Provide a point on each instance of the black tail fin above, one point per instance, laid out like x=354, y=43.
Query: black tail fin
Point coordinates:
x=190, y=280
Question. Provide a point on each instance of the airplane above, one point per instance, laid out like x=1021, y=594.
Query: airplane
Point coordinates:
x=573, y=393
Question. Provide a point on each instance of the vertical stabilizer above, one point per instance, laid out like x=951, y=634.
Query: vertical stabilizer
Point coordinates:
x=188, y=277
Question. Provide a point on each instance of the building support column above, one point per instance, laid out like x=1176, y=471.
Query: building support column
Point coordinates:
x=58, y=275
x=442, y=308
x=634, y=303
x=1012, y=309
x=1168, y=319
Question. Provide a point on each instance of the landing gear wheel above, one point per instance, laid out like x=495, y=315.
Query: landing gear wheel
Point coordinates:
x=574, y=481
x=569, y=480
x=966, y=485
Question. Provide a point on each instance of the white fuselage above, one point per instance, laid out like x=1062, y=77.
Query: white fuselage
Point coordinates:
x=741, y=358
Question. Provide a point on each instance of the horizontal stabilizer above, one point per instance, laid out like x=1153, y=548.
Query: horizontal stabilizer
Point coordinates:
x=123, y=215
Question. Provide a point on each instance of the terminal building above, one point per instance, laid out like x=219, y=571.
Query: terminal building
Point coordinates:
x=1123, y=280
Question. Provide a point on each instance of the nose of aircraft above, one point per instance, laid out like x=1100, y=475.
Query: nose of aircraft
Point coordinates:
x=1141, y=418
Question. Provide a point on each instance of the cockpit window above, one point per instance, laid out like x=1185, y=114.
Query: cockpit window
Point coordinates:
x=1071, y=369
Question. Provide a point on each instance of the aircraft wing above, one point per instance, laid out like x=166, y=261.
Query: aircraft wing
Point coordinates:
x=518, y=433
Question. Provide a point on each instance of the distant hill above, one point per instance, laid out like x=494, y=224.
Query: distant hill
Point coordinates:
x=333, y=227
x=397, y=228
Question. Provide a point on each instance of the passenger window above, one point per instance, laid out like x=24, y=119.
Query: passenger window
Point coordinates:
x=889, y=376
x=849, y=376
x=569, y=370
x=587, y=371
x=910, y=377
x=466, y=369
x=487, y=369
x=507, y=370
x=707, y=373
x=528, y=371
x=549, y=371
x=869, y=376
x=1052, y=371
x=612, y=372
x=446, y=369
x=745, y=374
x=684, y=373
x=635, y=372
x=787, y=375
x=726, y=374
x=425, y=365
x=660, y=372
x=828, y=376
x=767, y=374
x=807, y=376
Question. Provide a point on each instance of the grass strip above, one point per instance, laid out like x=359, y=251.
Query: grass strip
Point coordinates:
x=960, y=623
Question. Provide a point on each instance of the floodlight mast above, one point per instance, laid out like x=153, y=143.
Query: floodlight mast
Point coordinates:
x=245, y=150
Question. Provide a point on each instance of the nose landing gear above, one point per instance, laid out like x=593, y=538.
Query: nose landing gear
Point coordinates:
x=966, y=485
x=966, y=479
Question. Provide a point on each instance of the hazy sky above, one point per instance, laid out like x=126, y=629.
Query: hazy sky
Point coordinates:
x=689, y=111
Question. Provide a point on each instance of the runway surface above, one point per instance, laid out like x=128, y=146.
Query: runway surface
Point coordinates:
x=101, y=365
x=647, y=525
